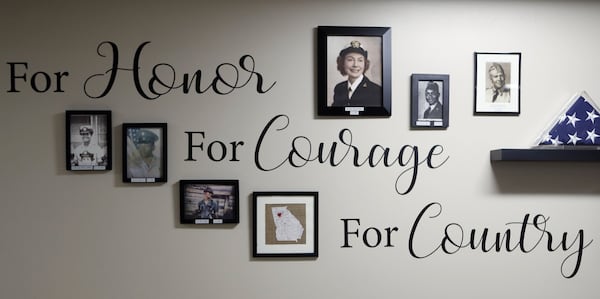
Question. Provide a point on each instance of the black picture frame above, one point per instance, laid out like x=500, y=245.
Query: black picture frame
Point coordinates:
x=502, y=94
x=88, y=140
x=151, y=140
x=299, y=214
x=425, y=114
x=224, y=195
x=373, y=96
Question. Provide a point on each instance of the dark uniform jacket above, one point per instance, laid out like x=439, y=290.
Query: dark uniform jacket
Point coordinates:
x=366, y=94
x=435, y=113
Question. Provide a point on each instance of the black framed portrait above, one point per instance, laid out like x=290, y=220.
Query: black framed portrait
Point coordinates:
x=497, y=83
x=89, y=140
x=144, y=152
x=430, y=101
x=209, y=201
x=354, y=71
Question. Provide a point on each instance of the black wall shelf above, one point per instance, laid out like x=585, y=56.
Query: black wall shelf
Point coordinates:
x=583, y=155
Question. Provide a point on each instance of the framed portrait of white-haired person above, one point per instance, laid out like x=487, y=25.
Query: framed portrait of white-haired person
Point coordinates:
x=497, y=83
x=89, y=140
x=144, y=152
x=354, y=71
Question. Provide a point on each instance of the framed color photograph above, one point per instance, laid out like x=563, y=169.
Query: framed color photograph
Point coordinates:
x=209, y=201
x=285, y=224
x=354, y=71
x=88, y=140
x=144, y=152
x=497, y=83
x=429, y=101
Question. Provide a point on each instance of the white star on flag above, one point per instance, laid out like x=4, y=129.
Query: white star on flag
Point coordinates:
x=573, y=139
x=555, y=141
x=591, y=135
x=573, y=119
x=547, y=138
x=591, y=115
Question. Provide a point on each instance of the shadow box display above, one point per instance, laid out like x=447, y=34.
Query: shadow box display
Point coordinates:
x=285, y=224
x=429, y=101
x=209, y=201
x=144, y=152
x=354, y=71
x=89, y=140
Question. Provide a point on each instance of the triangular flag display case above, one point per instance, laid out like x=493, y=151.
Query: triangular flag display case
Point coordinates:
x=574, y=135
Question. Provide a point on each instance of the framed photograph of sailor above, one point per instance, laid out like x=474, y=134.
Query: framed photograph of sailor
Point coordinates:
x=497, y=83
x=89, y=140
x=285, y=224
x=209, y=201
x=429, y=101
x=144, y=152
x=354, y=71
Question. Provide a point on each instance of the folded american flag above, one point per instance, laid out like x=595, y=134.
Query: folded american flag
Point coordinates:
x=577, y=124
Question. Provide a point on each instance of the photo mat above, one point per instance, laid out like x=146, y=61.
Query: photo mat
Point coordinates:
x=285, y=224
x=497, y=83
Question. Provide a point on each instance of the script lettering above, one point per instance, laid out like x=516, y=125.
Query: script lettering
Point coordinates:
x=303, y=151
x=164, y=77
x=455, y=238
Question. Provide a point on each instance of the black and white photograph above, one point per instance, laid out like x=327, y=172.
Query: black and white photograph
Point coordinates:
x=209, y=201
x=430, y=101
x=88, y=140
x=144, y=152
x=354, y=71
x=497, y=83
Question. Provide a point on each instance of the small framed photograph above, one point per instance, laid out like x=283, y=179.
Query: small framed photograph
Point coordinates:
x=144, y=152
x=209, y=201
x=354, y=71
x=498, y=83
x=285, y=224
x=89, y=140
x=429, y=102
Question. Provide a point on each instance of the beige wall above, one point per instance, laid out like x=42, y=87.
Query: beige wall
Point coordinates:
x=87, y=235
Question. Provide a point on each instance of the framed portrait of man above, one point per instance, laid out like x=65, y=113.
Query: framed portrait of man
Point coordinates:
x=144, y=152
x=430, y=101
x=209, y=201
x=89, y=140
x=354, y=71
x=497, y=83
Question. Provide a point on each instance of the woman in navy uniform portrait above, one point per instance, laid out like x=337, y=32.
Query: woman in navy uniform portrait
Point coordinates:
x=357, y=90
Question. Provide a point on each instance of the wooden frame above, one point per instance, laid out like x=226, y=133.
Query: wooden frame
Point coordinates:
x=88, y=140
x=430, y=105
x=497, y=83
x=209, y=201
x=144, y=152
x=285, y=224
x=371, y=46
